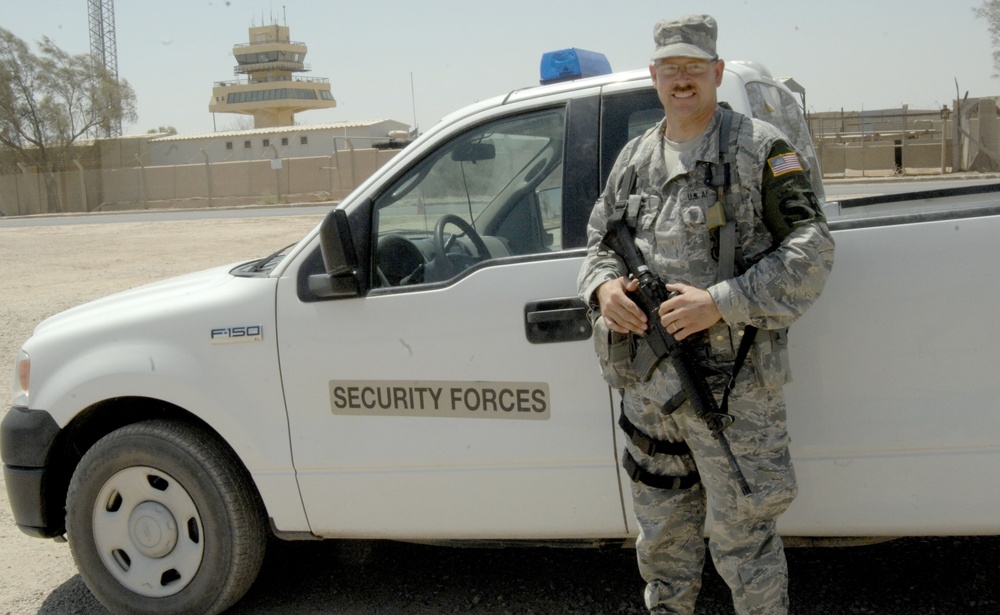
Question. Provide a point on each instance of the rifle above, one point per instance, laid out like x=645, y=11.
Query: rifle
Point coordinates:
x=659, y=344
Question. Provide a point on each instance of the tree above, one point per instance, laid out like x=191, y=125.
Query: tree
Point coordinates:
x=49, y=101
x=990, y=11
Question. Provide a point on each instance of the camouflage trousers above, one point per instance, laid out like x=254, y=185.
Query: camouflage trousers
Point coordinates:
x=744, y=545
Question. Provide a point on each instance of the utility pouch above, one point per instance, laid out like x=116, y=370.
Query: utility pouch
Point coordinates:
x=723, y=342
x=613, y=355
x=645, y=361
x=770, y=358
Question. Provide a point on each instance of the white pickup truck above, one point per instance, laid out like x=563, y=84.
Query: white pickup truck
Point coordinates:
x=419, y=368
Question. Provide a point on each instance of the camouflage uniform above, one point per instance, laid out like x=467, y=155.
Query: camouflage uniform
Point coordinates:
x=785, y=253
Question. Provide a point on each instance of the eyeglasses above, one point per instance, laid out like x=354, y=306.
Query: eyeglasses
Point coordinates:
x=694, y=69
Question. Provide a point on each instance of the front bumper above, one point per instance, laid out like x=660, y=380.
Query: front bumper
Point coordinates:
x=26, y=441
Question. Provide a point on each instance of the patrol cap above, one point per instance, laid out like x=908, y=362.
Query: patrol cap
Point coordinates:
x=691, y=36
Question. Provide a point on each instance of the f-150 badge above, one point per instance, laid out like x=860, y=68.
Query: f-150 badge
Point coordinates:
x=234, y=335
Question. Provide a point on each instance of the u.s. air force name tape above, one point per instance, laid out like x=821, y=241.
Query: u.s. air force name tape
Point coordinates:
x=498, y=400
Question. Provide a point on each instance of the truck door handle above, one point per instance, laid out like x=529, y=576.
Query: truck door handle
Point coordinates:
x=557, y=314
x=556, y=320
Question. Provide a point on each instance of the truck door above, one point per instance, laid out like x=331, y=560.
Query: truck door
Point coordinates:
x=459, y=397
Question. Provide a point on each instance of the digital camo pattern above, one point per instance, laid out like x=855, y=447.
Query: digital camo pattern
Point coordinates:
x=783, y=277
x=745, y=547
x=780, y=283
x=692, y=36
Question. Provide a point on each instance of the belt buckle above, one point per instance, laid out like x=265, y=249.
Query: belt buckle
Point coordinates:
x=644, y=444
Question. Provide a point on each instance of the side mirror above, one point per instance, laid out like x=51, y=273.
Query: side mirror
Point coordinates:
x=340, y=259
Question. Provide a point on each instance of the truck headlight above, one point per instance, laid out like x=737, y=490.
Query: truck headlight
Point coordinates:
x=22, y=378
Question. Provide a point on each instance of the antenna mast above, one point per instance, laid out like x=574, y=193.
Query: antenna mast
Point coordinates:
x=103, y=47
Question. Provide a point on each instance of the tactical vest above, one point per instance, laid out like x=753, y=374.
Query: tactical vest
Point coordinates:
x=720, y=219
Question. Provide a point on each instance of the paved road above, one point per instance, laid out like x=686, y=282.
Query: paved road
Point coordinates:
x=852, y=188
x=164, y=215
x=835, y=190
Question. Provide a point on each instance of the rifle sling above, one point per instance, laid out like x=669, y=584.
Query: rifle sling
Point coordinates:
x=749, y=334
x=722, y=182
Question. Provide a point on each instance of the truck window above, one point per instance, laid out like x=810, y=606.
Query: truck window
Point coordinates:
x=778, y=107
x=491, y=192
x=624, y=117
x=641, y=121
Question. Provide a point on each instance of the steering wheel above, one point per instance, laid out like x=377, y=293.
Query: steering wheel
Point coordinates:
x=398, y=261
x=441, y=247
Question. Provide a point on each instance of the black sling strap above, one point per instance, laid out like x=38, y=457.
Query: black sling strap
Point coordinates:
x=749, y=333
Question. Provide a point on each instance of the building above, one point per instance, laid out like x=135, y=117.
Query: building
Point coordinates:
x=301, y=141
x=271, y=93
x=897, y=141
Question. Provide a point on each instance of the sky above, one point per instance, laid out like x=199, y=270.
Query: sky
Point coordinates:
x=415, y=61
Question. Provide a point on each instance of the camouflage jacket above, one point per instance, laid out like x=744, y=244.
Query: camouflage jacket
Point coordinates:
x=785, y=245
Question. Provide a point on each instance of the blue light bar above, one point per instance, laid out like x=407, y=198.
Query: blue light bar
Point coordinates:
x=572, y=63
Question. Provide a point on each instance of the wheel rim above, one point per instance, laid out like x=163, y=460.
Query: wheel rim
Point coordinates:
x=148, y=531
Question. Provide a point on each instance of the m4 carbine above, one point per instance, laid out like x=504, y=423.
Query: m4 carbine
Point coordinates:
x=657, y=343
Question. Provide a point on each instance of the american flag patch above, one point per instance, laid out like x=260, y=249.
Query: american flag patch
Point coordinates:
x=785, y=163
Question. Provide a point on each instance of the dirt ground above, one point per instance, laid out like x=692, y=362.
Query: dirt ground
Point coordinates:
x=46, y=269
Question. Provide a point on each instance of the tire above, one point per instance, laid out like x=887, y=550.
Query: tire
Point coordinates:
x=161, y=518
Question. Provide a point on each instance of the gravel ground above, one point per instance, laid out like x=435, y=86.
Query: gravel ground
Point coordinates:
x=48, y=269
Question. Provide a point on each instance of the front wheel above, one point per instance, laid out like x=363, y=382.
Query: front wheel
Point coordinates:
x=162, y=518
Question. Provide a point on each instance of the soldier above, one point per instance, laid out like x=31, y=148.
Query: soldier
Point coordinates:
x=724, y=212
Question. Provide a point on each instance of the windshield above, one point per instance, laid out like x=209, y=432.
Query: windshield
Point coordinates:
x=468, y=175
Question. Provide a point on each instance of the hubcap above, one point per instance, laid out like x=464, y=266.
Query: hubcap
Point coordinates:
x=153, y=529
x=148, y=531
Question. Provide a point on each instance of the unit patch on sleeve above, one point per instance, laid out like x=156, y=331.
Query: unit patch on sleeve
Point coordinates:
x=785, y=163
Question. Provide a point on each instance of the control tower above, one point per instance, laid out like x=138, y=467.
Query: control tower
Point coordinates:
x=271, y=93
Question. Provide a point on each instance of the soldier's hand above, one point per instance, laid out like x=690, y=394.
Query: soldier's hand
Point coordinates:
x=620, y=313
x=689, y=311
